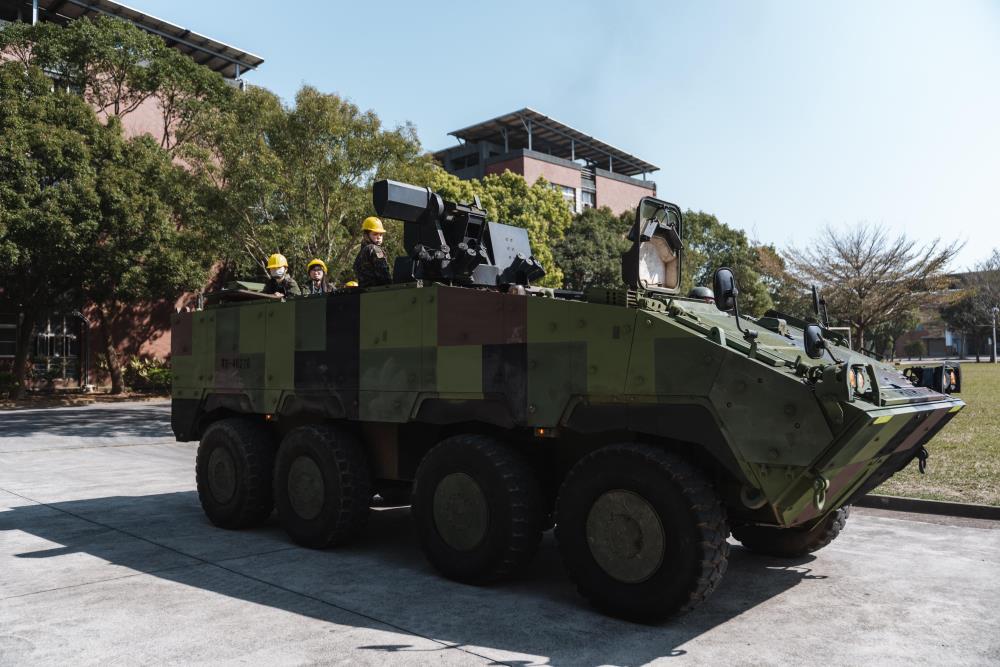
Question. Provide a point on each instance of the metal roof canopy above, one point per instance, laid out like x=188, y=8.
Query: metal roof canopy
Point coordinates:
x=530, y=129
x=227, y=60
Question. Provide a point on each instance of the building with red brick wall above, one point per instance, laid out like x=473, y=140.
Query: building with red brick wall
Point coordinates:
x=588, y=171
x=66, y=345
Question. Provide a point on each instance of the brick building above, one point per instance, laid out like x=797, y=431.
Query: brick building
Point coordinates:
x=65, y=346
x=588, y=171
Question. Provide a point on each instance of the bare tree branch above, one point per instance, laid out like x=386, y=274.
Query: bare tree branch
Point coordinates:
x=869, y=278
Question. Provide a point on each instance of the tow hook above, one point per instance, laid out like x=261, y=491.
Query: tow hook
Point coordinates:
x=922, y=456
x=820, y=486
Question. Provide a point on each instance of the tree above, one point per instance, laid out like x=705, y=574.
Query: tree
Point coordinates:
x=118, y=68
x=86, y=213
x=710, y=244
x=885, y=335
x=49, y=214
x=915, y=349
x=985, y=282
x=143, y=250
x=106, y=60
x=869, y=279
x=787, y=294
x=508, y=198
x=964, y=316
x=590, y=253
x=188, y=95
x=973, y=311
x=298, y=180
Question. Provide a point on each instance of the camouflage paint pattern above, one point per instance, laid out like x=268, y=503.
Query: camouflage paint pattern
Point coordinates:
x=646, y=363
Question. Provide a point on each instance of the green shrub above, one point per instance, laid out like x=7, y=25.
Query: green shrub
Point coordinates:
x=147, y=375
x=915, y=349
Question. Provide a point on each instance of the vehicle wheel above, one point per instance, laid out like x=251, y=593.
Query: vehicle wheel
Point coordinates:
x=478, y=509
x=322, y=486
x=233, y=473
x=792, y=542
x=641, y=531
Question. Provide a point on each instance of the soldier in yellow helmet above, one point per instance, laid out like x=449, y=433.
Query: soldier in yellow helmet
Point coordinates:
x=371, y=265
x=317, y=278
x=279, y=280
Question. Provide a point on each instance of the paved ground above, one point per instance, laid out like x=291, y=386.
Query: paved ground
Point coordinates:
x=106, y=557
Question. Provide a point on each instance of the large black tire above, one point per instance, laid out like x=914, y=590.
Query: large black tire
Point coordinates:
x=642, y=532
x=478, y=509
x=322, y=486
x=792, y=542
x=233, y=473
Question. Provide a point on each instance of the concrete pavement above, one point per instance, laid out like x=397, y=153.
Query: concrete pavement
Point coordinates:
x=105, y=556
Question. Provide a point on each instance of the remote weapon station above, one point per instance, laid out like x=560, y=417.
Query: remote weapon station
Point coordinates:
x=643, y=425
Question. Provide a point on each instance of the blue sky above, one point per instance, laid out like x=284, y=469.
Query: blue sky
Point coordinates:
x=779, y=117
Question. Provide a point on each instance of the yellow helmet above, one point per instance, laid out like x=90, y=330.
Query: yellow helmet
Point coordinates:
x=351, y=283
x=316, y=262
x=276, y=260
x=372, y=224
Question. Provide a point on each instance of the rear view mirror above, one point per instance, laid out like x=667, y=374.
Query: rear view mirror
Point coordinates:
x=725, y=289
x=813, y=340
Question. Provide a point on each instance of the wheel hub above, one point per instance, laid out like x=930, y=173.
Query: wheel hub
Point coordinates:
x=306, y=489
x=461, y=514
x=221, y=475
x=625, y=536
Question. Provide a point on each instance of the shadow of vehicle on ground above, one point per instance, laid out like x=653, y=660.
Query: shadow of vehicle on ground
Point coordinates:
x=382, y=580
x=151, y=421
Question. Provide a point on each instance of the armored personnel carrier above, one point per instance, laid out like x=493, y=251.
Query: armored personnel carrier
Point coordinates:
x=643, y=425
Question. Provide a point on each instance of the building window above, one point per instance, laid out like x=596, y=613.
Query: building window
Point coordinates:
x=568, y=194
x=588, y=198
x=57, y=349
x=8, y=335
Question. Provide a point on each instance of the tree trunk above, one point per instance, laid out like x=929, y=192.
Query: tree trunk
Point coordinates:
x=975, y=342
x=110, y=353
x=21, y=355
x=861, y=337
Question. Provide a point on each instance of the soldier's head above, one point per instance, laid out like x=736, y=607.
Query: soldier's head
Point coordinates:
x=373, y=230
x=316, y=270
x=702, y=293
x=277, y=266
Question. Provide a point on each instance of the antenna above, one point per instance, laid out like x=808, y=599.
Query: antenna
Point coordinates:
x=819, y=305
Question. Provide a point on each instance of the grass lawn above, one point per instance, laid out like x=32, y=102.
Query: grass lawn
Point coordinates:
x=964, y=463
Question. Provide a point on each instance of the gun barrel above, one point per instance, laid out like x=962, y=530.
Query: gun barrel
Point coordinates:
x=409, y=203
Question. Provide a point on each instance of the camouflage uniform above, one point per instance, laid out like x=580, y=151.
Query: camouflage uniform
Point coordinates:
x=311, y=288
x=371, y=266
x=286, y=286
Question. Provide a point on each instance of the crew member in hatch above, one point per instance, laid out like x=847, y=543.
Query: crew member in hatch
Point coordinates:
x=317, y=283
x=371, y=265
x=279, y=280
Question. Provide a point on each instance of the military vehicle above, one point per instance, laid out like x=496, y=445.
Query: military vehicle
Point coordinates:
x=641, y=424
